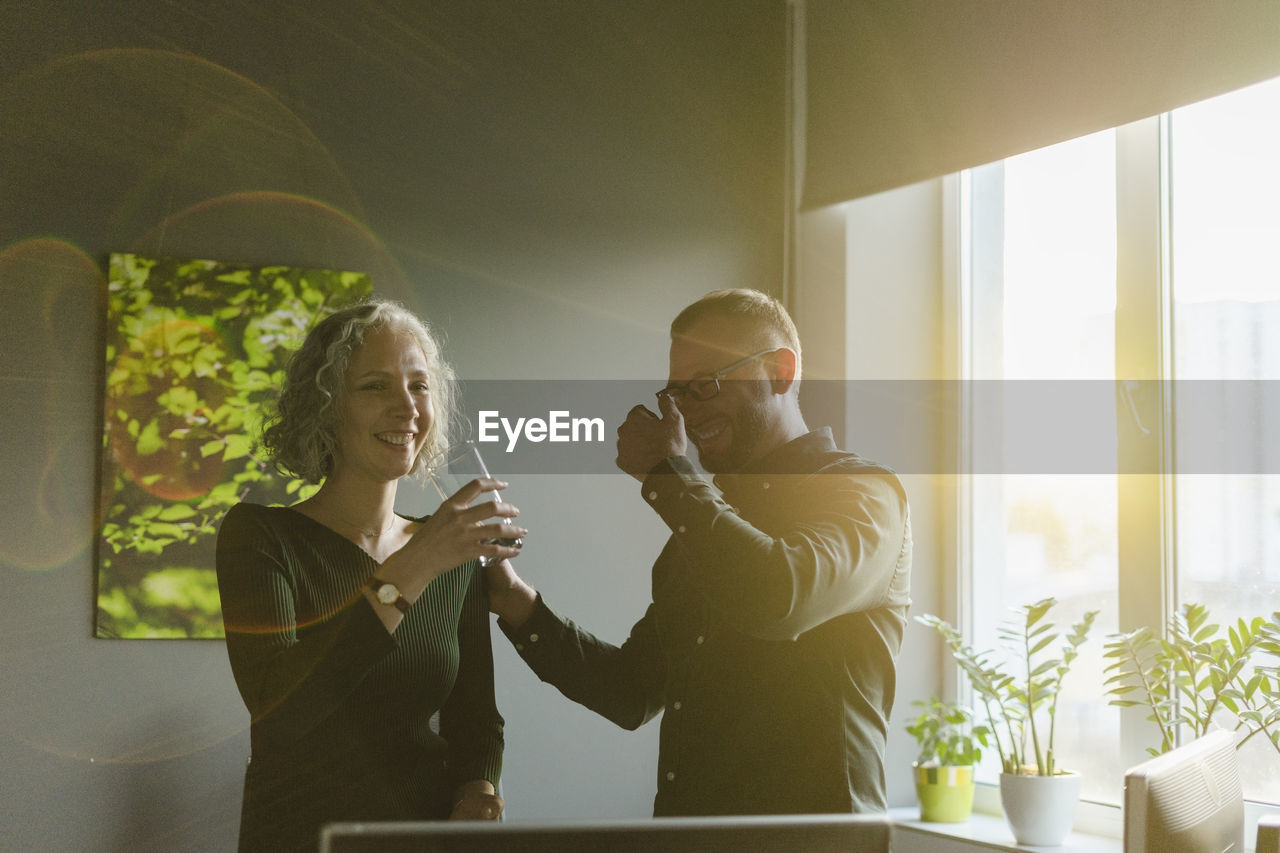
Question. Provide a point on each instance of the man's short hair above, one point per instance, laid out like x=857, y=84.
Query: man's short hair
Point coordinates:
x=764, y=321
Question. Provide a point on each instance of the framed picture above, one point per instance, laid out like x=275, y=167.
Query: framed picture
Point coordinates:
x=195, y=353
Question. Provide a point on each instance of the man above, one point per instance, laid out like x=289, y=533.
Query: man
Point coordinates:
x=779, y=601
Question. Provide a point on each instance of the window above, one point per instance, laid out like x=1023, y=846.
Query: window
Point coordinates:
x=1044, y=307
x=1225, y=217
x=1144, y=252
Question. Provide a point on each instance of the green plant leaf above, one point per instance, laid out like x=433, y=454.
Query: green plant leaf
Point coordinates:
x=1046, y=666
x=149, y=440
x=1041, y=644
x=176, y=512
x=237, y=446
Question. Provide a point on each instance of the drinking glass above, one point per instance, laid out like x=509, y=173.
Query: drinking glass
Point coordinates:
x=452, y=469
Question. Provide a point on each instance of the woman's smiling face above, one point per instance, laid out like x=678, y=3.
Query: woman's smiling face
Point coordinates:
x=386, y=407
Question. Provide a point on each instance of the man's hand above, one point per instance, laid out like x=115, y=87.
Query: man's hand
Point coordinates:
x=644, y=439
x=509, y=596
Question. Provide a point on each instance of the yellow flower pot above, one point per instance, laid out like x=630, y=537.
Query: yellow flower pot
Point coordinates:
x=945, y=793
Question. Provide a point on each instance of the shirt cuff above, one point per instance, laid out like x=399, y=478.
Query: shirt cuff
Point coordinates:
x=668, y=479
x=541, y=626
x=681, y=496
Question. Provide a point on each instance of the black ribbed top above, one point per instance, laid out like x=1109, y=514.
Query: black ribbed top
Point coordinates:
x=340, y=709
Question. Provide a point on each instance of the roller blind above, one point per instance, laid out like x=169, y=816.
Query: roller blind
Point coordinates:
x=897, y=91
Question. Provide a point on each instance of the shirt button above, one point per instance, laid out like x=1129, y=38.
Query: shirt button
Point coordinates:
x=653, y=496
x=680, y=529
x=519, y=647
x=765, y=484
x=533, y=638
x=675, y=706
x=700, y=640
x=671, y=776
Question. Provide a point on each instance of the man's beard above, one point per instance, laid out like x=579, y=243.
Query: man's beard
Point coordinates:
x=748, y=426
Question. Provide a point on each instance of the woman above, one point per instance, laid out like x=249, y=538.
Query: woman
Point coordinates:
x=349, y=626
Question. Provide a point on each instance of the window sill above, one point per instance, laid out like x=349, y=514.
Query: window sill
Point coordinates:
x=980, y=832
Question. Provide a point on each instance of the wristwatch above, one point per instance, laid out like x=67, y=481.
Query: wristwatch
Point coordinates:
x=388, y=593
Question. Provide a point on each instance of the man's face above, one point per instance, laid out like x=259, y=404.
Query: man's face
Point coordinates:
x=729, y=428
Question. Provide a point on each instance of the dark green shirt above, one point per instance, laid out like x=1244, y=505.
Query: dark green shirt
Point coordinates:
x=341, y=711
x=779, y=604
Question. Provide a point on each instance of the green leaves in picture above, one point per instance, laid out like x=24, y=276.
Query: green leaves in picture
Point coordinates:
x=1198, y=676
x=195, y=352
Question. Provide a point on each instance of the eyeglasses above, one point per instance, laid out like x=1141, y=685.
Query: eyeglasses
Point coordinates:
x=706, y=387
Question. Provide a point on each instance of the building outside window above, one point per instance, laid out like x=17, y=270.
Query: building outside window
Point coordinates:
x=1145, y=254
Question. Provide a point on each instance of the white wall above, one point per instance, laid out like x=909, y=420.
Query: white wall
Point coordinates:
x=869, y=303
x=549, y=183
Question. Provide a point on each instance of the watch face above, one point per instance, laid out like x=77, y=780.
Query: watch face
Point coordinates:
x=387, y=593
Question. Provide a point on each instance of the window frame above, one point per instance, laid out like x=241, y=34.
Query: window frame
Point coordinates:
x=1147, y=556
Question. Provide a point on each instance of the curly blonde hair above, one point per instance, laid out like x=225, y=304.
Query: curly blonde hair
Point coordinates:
x=301, y=438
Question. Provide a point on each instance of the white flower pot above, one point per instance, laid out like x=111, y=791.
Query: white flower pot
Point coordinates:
x=1040, y=809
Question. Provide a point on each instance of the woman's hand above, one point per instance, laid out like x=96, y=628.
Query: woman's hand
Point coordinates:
x=476, y=800
x=454, y=534
x=458, y=532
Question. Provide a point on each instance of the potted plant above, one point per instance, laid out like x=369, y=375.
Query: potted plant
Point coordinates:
x=1021, y=705
x=949, y=745
x=1197, y=676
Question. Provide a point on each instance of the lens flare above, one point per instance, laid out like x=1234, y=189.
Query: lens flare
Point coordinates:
x=52, y=293
x=276, y=227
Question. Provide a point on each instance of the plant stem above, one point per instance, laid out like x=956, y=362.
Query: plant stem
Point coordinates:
x=1166, y=736
x=995, y=731
x=1264, y=729
x=1031, y=705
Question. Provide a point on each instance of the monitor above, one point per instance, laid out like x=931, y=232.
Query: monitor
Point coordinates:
x=1189, y=799
x=786, y=834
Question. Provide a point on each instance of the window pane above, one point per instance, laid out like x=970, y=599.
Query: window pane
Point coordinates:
x=1225, y=175
x=1046, y=311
